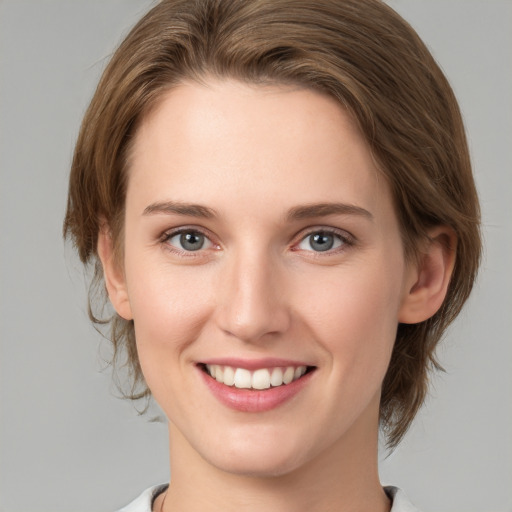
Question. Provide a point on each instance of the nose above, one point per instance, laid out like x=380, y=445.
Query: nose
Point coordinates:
x=252, y=304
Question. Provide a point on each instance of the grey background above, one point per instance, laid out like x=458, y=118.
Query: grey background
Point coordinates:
x=66, y=442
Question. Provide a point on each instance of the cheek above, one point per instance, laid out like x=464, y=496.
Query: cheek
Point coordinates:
x=354, y=315
x=169, y=310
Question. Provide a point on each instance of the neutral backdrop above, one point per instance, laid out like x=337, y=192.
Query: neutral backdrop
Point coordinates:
x=66, y=442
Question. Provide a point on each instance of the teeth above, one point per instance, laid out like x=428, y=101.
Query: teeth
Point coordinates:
x=276, y=379
x=219, y=374
x=263, y=378
x=229, y=376
x=299, y=372
x=288, y=374
x=242, y=378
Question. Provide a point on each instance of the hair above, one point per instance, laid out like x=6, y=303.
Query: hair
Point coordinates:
x=360, y=52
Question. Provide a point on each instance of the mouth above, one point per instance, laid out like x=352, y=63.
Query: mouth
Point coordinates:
x=259, y=379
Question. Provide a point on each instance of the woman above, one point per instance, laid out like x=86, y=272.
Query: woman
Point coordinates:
x=279, y=200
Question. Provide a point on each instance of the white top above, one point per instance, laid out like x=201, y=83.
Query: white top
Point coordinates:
x=144, y=501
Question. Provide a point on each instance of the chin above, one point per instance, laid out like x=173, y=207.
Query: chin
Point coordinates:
x=258, y=457
x=258, y=466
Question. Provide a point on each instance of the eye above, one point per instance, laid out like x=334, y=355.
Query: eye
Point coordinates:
x=322, y=241
x=189, y=241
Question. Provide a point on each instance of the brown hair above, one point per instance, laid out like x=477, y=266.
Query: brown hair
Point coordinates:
x=358, y=51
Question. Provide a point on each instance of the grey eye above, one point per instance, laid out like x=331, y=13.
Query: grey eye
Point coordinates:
x=320, y=241
x=189, y=241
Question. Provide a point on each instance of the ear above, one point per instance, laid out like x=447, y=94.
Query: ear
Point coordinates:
x=429, y=277
x=114, y=275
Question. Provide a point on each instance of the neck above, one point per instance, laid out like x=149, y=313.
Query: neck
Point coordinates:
x=343, y=478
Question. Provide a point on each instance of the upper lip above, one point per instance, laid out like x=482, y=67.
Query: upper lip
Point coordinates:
x=253, y=364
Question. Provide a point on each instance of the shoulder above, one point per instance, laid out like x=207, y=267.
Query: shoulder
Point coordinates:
x=400, y=501
x=144, y=502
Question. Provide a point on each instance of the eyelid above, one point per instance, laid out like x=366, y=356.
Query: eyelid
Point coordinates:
x=347, y=239
x=170, y=233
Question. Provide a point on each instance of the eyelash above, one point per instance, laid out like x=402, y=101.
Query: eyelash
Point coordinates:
x=347, y=240
x=168, y=235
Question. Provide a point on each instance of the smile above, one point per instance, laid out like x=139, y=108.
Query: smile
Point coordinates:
x=263, y=387
x=259, y=379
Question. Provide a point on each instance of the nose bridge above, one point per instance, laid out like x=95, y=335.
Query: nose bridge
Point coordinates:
x=252, y=299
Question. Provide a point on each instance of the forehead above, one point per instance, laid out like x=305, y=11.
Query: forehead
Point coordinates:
x=230, y=143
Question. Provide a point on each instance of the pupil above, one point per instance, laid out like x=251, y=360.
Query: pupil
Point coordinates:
x=192, y=241
x=321, y=241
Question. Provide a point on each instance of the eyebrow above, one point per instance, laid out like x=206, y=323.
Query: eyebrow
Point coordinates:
x=296, y=213
x=174, y=207
x=325, y=209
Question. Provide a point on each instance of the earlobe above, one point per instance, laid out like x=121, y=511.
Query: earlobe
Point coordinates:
x=429, y=278
x=114, y=276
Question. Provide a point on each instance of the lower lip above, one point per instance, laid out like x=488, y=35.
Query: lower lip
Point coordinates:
x=251, y=400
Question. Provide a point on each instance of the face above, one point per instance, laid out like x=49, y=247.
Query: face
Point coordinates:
x=265, y=274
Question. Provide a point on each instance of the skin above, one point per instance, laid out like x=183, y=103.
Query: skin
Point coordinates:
x=252, y=156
